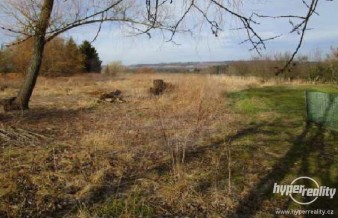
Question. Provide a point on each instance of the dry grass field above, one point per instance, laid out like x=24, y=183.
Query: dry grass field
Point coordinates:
x=196, y=150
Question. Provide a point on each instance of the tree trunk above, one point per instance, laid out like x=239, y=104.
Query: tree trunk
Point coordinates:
x=22, y=99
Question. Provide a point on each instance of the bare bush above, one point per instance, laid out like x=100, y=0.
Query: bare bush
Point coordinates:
x=114, y=68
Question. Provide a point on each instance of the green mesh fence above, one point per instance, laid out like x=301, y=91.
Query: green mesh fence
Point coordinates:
x=322, y=108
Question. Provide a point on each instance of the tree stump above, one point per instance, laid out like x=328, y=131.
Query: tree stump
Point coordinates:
x=158, y=87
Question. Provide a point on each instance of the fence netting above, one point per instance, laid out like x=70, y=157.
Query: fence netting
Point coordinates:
x=322, y=108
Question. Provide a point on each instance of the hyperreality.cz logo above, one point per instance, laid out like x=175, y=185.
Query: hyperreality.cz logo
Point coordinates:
x=300, y=190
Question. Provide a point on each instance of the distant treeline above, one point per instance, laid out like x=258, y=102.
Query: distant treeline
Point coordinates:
x=320, y=70
x=61, y=57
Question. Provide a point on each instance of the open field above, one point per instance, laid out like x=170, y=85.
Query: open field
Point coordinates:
x=210, y=146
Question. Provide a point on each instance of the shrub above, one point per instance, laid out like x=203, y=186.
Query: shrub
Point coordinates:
x=114, y=68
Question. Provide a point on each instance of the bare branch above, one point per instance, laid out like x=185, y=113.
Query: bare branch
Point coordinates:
x=154, y=16
x=303, y=25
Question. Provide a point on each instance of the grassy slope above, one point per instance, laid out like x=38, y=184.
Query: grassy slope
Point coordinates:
x=279, y=147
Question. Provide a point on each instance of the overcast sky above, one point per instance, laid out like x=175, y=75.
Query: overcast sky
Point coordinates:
x=115, y=45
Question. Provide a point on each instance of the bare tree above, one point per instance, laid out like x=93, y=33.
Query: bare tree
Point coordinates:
x=43, y=20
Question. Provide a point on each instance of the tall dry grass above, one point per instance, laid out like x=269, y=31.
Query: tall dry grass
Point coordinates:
x=100, y=149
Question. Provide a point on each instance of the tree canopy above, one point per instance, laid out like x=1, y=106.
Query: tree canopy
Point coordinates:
x=61, y=57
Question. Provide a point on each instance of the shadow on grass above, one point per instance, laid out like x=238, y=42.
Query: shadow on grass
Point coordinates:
x=42, y=114
x=308, y=148
x=312, y=153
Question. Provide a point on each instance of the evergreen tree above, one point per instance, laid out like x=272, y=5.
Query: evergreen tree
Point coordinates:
x=92, y=61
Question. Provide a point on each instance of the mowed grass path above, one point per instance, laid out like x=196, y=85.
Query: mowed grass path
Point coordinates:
x=277, y=146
